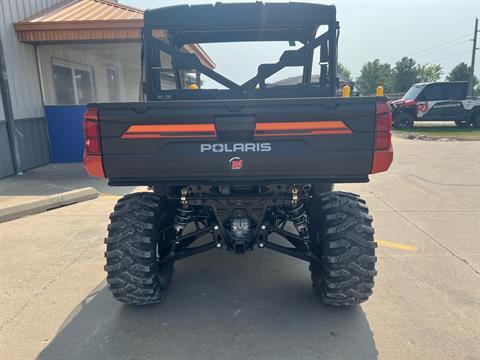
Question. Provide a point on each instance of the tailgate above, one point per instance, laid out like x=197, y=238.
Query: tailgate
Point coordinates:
x=238, y=140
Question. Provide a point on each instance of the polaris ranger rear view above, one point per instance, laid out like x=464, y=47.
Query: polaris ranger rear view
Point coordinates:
x=241, y=167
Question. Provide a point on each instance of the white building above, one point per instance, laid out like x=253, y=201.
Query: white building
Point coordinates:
x=63, y=54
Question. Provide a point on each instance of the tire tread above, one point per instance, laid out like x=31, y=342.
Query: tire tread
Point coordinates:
x=134, y=275
x=342, y=236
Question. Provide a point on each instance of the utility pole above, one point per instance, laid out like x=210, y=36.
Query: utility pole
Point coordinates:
x=472, y=64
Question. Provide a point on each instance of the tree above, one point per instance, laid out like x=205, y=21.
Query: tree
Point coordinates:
x=461, y=72
x=404, y=74
x=374, y=73
x=341, y=69
x=428, y=73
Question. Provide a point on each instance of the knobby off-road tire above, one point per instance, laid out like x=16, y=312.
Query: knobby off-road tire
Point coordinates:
x=342, y=237
x=135, y=248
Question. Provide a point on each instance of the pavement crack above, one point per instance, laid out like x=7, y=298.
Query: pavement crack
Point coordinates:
x=465, y=261
x=44, y=287
x=439, y=183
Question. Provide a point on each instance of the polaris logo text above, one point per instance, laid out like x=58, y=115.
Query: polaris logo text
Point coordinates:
x=238, y=147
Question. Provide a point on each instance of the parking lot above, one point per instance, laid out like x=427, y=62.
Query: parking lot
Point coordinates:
x=426, y=302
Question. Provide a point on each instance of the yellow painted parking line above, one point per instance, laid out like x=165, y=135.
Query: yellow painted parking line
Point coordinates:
x=398, y=246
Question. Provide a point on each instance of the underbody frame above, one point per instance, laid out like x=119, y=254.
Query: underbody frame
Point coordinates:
x=242, y=217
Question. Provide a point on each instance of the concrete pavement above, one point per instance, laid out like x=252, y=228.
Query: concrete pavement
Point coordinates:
x=53, y=179
x=426, y=302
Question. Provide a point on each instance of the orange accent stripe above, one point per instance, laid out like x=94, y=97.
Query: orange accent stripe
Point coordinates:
x=304, y=125
x=261, y=129
x=301, y=128
x=180, y=128
x=170, y=131
x=316, y=132
x=161, y=136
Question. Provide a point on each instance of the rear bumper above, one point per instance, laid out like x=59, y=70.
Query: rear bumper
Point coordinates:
x=242, y=181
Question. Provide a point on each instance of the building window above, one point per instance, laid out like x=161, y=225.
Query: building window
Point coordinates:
x=112, y=70
x=113, y=85
x=73, y=83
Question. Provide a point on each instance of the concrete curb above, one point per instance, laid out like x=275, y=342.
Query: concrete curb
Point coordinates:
x=48, y=203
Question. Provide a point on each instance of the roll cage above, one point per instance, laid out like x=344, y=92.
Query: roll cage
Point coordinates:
x=167, y=30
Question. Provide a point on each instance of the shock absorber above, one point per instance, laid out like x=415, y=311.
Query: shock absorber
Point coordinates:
x=183, y=214
x=182, y=217
x=298, y=217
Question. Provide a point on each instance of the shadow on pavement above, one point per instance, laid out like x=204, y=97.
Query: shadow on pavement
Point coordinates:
x=56, y=178
x=221, y=306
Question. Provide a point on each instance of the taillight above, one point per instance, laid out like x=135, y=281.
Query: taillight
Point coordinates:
x=383, y=152
x=383, y=127
x=91, y=131
x=408, y=103
x=92, y=158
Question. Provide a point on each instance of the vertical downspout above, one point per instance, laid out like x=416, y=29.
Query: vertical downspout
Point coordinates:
x=42, y=94
x=8, y=110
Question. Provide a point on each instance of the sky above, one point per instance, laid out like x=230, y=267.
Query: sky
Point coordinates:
x=433, y=32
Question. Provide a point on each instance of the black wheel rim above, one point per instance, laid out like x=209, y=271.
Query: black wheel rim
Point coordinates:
x=404, y=122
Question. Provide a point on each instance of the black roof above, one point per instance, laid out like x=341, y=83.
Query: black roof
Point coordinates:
x=241, y=21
